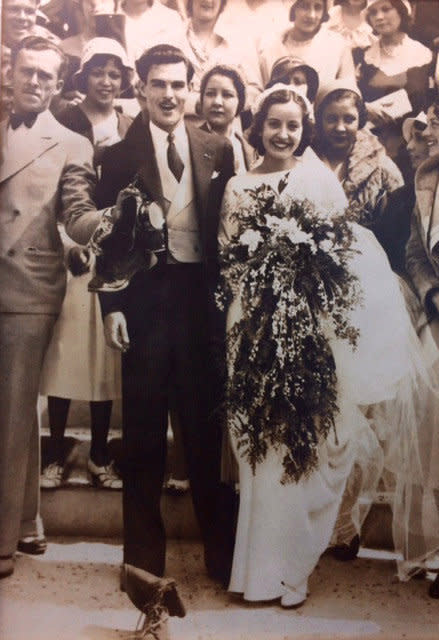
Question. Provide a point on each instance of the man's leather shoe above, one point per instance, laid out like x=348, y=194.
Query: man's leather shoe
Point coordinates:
x=145, y=590
x=32, y=546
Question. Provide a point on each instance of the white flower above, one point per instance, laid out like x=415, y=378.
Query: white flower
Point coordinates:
x=156, y=217
x=290, y=228
x=326, y=245
x=252, y=239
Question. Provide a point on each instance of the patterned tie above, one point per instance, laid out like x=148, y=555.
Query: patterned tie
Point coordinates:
x=175, y=163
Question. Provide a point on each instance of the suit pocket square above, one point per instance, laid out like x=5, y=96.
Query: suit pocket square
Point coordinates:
x=215, y=174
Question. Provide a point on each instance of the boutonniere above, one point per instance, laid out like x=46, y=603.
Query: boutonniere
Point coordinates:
x=207, y=156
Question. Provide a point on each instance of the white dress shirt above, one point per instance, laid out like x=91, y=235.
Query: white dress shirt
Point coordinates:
x=160, y=142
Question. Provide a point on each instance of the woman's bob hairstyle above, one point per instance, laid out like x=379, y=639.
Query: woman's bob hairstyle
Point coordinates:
x=279, y=95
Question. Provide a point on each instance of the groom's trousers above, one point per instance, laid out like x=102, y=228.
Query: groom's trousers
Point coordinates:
x=167, y=316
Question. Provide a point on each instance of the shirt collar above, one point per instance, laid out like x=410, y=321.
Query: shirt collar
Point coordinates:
x=161, y=136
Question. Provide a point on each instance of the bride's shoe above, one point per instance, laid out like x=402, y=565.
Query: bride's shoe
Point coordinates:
x=294, y=597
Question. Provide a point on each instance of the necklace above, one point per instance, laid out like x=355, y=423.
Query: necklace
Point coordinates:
x=390, y=50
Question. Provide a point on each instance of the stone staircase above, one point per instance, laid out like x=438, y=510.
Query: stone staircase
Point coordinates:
x=79, y=509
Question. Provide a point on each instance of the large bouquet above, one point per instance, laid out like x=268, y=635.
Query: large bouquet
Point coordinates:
x=289, y=266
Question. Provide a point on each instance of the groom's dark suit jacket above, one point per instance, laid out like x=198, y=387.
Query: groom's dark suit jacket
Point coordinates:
x=173, y=326
x=212, y=166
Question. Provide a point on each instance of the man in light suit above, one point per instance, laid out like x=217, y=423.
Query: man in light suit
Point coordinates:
x=163, y=320
x=46, y=176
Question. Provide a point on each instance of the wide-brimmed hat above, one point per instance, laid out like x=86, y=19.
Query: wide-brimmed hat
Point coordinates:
x=286, y=65
x=346, y=84
x=408, y=123
x=103, y=46
x=406, y=4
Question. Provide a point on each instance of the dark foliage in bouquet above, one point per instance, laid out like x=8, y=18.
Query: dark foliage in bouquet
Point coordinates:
x=289, y=267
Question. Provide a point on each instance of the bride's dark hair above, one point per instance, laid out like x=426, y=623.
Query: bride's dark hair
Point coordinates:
x=282, y=96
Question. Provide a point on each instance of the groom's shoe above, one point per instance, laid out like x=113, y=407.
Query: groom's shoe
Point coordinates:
x=146, y=590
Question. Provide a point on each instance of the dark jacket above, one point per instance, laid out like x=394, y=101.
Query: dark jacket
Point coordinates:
x=212, y=166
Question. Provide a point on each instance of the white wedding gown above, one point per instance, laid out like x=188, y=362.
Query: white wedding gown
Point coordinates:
x=284, y=528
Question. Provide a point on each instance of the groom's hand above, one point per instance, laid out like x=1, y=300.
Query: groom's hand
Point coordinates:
x=116, y=331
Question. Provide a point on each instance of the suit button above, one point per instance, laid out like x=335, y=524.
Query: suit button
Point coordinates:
x=16, y=212
x=11, y=252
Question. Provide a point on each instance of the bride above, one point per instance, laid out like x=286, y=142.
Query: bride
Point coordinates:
x=308, y=341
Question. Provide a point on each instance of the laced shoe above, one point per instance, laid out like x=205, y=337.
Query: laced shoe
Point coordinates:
x=153, y=624
x=105, y=477
x=52, y=476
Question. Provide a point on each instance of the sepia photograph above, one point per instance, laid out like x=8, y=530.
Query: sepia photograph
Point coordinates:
x=219, y=320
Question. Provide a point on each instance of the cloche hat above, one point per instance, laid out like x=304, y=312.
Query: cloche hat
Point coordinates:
x=103, y=46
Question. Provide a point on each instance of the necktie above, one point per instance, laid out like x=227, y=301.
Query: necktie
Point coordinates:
x=28, y=119
x=175, y=163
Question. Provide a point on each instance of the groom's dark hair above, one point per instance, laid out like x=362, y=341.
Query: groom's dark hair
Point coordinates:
x=162, y=54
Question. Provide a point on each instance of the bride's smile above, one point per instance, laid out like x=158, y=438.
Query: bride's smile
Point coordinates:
x=282, y=131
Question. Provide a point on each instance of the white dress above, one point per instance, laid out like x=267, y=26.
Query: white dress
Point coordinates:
x=79, y=364
x=284, y=528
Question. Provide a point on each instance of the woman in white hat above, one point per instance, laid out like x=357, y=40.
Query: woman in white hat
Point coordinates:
x=327, y=52
x=104, y=74
x=78, y=364
x=356, y=156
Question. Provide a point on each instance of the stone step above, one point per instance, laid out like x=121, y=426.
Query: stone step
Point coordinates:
x=79, y=509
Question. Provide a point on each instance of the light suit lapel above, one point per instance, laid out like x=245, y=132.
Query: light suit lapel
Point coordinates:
x=42, y=137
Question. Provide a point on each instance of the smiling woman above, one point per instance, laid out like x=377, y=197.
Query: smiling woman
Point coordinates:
x=359, y=161
x=104, y=72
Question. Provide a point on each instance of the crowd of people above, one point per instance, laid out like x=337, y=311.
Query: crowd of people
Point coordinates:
x=225, y=211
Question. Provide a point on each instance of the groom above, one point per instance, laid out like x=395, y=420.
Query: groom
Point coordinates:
x=163, y=322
